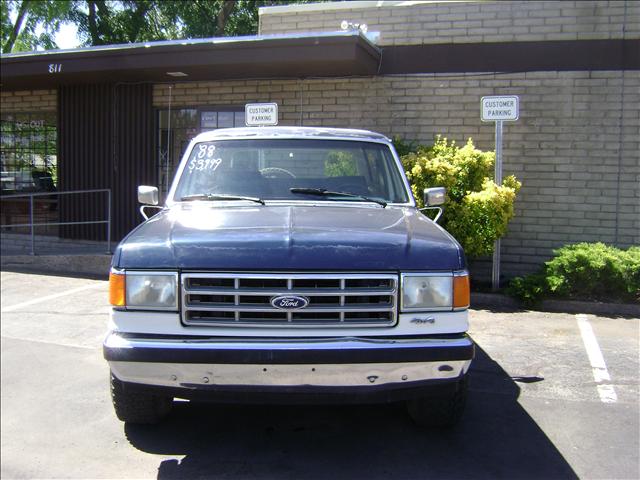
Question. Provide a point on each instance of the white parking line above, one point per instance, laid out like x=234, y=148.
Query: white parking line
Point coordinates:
x=600, y=373
x=59, y=344
x=18, y=306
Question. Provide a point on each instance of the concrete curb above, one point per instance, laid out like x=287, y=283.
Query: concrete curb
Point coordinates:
x=95, y=266
x=497, y=300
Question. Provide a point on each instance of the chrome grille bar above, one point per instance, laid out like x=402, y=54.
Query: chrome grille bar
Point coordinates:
x=272, y=292
x=252, y=308
x=349, y=299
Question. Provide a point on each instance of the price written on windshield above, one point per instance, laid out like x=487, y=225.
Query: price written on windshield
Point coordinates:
x=204, y=160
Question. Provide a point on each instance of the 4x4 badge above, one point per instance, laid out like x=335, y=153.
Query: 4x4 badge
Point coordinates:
x=423, y=321
x=289, y=302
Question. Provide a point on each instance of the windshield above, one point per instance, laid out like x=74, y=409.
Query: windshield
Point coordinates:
x=270, y=169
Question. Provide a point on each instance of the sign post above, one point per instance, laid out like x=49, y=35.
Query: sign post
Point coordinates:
x=499, y=110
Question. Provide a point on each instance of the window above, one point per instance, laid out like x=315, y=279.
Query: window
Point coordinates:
x=28, y=154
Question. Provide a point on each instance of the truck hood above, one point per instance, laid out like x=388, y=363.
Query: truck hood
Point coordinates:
x=205, y=236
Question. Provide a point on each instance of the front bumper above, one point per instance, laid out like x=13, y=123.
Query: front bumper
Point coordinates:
x=313, y=366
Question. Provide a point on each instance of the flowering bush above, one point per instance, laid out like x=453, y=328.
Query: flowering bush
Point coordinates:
x=477, y=211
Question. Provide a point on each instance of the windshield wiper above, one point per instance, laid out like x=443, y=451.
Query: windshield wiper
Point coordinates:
x=328, y=193
x=216, y=196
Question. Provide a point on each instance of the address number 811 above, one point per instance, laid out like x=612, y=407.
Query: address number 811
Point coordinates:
x=55, y=67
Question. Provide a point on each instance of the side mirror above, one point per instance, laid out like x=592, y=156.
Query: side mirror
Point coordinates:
x=147, y=195
x=434, y=196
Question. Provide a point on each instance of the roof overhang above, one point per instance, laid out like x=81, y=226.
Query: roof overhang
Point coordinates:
x=269, y=56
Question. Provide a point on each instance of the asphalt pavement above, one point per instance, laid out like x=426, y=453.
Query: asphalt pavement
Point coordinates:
x=552, y=396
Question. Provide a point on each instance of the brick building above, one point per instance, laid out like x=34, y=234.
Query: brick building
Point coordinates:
x=419, y=72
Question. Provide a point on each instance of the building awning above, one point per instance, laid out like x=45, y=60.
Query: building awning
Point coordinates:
x=267, y=56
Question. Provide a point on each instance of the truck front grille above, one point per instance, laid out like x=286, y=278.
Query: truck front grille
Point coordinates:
x=350, y=299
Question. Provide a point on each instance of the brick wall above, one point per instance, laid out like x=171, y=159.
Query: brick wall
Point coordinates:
x=576, y=147
x=467, y=22
x=28, y=101
x=237, y=93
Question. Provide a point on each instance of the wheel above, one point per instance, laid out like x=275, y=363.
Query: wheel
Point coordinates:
x=439, y=411
x=275, y=172
x=138, y=407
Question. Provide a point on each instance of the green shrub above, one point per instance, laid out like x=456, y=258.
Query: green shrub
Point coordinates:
x=404, y=147
x=477, y=211
x=340, y=164
x=529, y=290
x=589, y=271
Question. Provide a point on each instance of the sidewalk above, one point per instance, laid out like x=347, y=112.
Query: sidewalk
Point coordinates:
x=20, y=244
x=501, y=302
x=54, y=255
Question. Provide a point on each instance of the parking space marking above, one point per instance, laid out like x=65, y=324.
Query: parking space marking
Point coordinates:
x=606, y=392
x=59, y=344
x=18, y=306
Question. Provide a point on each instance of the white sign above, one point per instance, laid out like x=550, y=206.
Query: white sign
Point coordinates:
x=500, y=108
x=260, y=114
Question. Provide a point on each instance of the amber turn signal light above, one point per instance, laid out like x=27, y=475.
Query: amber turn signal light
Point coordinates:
x=117, y=289
x=461, y=291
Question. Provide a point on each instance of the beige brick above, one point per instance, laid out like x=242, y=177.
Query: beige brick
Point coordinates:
x=429, y=23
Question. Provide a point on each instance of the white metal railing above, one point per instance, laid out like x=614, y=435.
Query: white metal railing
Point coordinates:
x=32, y=225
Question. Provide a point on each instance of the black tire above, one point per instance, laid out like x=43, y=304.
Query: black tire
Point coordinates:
x=138, y=407
x=439, y=411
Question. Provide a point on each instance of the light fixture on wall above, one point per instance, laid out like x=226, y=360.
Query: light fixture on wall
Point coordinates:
x=346, y=25
x=177, y=74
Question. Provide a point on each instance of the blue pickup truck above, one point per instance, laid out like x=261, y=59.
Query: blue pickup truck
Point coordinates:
x=289, y=265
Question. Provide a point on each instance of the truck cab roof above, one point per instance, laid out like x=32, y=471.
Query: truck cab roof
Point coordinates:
x=292, y=132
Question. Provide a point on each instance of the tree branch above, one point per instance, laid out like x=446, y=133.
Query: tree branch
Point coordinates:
x=223, y=15
x=22, y=13
x=141, y=10
x=92, y=24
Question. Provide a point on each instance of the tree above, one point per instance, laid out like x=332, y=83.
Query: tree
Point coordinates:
x=101, y=22
x=34, y=24
x=31, y=24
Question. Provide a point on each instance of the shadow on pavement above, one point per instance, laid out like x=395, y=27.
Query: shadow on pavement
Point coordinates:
x=495, y=439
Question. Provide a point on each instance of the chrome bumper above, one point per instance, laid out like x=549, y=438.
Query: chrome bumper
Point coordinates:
x=346, y=362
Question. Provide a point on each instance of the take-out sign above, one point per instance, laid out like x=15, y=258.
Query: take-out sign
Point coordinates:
x=260, y=114
x=500, y=108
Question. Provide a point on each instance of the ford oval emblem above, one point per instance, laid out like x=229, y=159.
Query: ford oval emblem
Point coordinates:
x=289, y=302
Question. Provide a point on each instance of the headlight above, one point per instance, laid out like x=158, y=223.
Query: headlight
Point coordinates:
x=156, y=290
x=435, y=292
x=145, y=290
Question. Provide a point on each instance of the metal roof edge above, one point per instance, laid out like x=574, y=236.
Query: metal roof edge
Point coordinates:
x=188, y=42
x=320, y=54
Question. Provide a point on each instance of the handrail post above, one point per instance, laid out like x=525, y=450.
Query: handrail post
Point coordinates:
x=109, y=221
x=33, y=236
